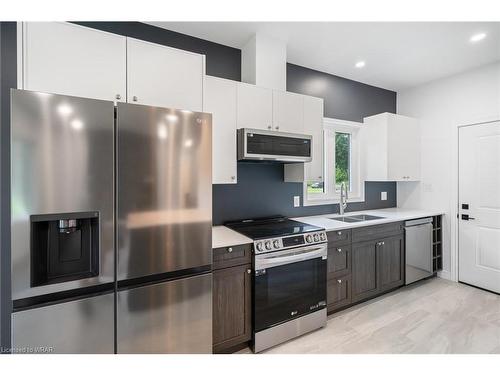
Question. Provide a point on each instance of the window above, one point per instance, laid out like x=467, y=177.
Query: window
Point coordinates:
x=341, y=164
x=342, y=159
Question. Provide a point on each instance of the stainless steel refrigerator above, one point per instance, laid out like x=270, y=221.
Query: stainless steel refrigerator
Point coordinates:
x=111, y=227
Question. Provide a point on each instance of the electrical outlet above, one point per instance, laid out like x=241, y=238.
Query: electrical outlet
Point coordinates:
x=383, y=196
x=296, y=201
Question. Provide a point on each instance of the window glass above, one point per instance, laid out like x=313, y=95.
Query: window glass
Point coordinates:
x=315, y=187
x=342, y=160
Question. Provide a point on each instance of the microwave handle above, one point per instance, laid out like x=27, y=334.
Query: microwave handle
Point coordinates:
x=280, y=260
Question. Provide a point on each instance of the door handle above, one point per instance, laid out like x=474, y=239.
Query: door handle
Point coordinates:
x=467, y=217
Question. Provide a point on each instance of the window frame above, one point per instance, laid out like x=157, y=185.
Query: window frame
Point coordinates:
x=330, y=195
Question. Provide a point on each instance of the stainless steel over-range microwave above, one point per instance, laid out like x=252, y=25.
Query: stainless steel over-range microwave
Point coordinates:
x=256, y=144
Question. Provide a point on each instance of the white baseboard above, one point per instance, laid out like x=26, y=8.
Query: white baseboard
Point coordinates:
x=444, y=275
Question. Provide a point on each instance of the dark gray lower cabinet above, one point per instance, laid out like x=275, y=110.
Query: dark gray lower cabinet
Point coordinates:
x=339, y=292
x=364, y=270
x=231, y=307
x=339, y=260
x=391, y=263
x=364, y=263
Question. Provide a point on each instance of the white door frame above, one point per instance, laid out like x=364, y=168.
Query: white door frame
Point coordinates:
x=454, y=233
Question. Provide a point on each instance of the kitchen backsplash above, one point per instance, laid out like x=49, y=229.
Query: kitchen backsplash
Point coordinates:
x=261, y=192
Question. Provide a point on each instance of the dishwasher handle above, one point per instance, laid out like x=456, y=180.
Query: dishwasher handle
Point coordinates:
x=411, y=223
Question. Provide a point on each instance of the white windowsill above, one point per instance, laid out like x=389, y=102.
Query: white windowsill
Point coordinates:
x=319, y=202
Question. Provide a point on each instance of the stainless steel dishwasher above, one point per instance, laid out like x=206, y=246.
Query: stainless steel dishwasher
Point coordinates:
x=418, y=238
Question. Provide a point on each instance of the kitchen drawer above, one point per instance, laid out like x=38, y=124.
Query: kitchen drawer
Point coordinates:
x=231, y=256
x=375, y=232
x=339, y=237
x=338, y=293
x=339, y=260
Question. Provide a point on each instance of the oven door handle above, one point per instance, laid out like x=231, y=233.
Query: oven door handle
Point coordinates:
x=268, y=260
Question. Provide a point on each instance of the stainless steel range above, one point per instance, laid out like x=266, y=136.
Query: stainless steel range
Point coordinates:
x=289, y=283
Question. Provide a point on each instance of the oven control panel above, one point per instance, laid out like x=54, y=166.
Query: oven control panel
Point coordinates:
x=280, y=243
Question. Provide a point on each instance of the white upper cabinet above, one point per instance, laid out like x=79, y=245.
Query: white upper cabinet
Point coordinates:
x=68, y=59
x=220, y=100
x=391, y=148
x=288, y=112
x=313, y=125
x=163, y=76
x=255, y=107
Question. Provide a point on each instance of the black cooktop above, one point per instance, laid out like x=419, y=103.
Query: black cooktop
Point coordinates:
x=258, y=229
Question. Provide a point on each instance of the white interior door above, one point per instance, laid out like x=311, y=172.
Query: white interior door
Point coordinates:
x=479, y=205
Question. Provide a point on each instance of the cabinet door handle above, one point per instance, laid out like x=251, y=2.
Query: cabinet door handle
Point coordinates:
x=118, y=96
x=269, y=127
x=233, y=178
x=339, y=250
x=277, y=128
x=229, y=249
x=339, y=233
x=339, y=281
x=134, y=98
x=249, y=271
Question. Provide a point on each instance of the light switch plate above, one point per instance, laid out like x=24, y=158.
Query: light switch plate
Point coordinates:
x=296, y=201
x=383, y=195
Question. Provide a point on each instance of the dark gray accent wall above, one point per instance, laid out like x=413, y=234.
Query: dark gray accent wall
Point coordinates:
x=345, y=99
x=261, y=192
x=8, y=80
x=221, y=61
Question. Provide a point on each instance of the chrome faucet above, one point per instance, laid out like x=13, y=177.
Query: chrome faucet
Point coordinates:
x=343, y=198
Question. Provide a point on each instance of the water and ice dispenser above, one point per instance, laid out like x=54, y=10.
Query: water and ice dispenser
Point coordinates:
x=64, y=247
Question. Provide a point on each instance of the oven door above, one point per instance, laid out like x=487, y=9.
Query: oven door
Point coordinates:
x=289, y=284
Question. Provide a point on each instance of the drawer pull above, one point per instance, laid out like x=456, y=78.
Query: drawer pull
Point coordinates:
x=339, y=233
x=339, y=250
x=339, y=281
x=229, y=249
x=249, y=270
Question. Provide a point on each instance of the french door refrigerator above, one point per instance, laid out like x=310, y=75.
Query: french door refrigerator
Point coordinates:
x=164, y=226
x=111, y=227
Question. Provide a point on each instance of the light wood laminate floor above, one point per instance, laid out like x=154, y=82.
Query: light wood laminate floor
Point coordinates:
x=433, y=316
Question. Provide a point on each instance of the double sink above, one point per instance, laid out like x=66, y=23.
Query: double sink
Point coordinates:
x=356, y=218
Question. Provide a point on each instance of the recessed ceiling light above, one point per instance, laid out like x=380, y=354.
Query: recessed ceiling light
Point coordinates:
x=477, y=37
x=360, y=64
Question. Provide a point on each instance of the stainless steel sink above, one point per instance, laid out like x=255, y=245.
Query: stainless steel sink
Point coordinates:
x=345, y=219
x=366, y=217
x=356, y=218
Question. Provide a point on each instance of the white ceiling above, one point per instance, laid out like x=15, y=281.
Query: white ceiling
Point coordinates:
x=398, y=55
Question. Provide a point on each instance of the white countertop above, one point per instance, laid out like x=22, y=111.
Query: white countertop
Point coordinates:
x=223, y=236
x=389, y=215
